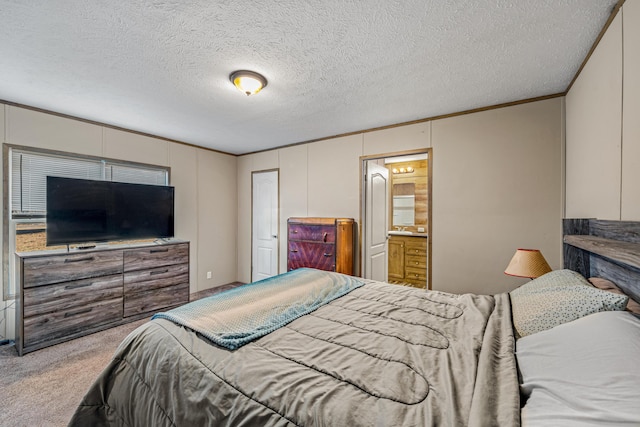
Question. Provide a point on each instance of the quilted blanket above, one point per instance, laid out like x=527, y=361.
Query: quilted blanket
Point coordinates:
x=234, y=318
x=381, y=355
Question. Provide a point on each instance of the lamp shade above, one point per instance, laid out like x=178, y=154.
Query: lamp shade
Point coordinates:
x=527, y=263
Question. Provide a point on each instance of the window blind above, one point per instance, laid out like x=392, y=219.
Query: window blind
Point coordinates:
x=29, y=173
x=135, y=175
x=29, y=178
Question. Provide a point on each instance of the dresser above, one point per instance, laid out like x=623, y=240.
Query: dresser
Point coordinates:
x=322, y=243
x=67, y=295
x=408, y=260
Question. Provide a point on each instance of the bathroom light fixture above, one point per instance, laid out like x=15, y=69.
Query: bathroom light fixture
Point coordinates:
x=408, y=169
x=248, y=82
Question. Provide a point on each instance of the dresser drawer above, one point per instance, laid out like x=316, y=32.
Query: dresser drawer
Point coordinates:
x=301, y=251
x=74, y=320
x=38, y=271
x=156, y=299
x=416, y=261
x=144, y=280
x=65, y=296
x=145, y=258
x=315, y=233
x=314, y=255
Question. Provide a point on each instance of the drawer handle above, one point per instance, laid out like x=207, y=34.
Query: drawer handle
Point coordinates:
x=75, y=313
x=324, y=236
x=294, y=250
x=79, y=285
x=166, y=270
x=417, y=263
x=294, y=231
x=327, y=255
x=153, y=251
x=89, y=258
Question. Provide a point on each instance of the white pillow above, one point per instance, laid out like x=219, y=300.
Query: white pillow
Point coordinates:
x=582, y=373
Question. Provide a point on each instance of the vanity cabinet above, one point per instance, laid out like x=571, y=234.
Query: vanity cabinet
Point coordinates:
x=67, y=295
x=396, y=259
x=408, y=260
x=322, y=243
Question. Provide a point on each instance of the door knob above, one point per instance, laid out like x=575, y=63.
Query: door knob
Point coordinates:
x=275, y=236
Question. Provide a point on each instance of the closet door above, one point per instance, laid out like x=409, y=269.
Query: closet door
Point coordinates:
x=264, y=230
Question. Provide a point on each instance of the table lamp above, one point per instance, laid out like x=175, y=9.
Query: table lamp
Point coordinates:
x=527, y=263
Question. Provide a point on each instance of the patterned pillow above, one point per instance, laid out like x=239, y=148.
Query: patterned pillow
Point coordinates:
x=558, y=297
x=608, y=285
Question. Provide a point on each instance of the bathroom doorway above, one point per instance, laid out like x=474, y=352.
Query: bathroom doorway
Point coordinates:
x=396, y=217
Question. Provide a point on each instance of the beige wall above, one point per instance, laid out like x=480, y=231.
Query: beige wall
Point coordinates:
x=496, y=187
x=402, y=138
x=184, y=176
x=294, y=180
x=333, y=188
x=118, y=144
x=603, y=130
x=631, y=113
x=3, y=304
x=593, y=132
x=481, y=211
x=205, y=181
x=243, y=237
x=216, y=218
x=2, y=114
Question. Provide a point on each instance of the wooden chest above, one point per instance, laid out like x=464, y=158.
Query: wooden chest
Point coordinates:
x=322, y=243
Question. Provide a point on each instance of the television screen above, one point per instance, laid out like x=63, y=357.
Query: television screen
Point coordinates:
x=81, y=210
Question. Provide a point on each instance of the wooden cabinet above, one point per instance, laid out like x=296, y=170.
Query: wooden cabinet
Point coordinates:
x=408, y=260
x=322, y=243
x=396, y=259
x=65, y=296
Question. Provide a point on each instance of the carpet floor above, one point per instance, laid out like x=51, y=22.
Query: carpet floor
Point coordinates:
x=43, y=388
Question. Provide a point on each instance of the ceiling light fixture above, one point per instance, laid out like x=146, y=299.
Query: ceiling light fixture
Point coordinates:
x=248, y=82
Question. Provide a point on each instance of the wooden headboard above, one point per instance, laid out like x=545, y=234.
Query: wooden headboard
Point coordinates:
x=607, y=249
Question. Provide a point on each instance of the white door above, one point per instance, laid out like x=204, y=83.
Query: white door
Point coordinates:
x=265, y=218
x=376, y=221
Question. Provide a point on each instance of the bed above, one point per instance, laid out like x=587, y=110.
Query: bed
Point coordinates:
x=367, y=354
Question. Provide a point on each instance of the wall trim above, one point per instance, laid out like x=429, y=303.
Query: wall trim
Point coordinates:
x=413, y=122
x=428, y=119
x=105, y=125
x=614, y=13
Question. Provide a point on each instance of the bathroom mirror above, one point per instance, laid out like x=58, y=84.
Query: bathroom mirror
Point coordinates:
x=404, y=204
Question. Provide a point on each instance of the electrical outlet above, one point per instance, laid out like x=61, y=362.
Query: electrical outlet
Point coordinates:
x=420, y=229
x=208, y=275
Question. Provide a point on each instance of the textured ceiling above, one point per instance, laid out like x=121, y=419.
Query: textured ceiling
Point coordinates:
x=333, y=66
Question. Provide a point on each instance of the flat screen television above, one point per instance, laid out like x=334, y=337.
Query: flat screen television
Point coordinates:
x=82, y=210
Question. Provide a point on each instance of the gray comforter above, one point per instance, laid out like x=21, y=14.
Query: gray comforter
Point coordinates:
x=382, y=355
